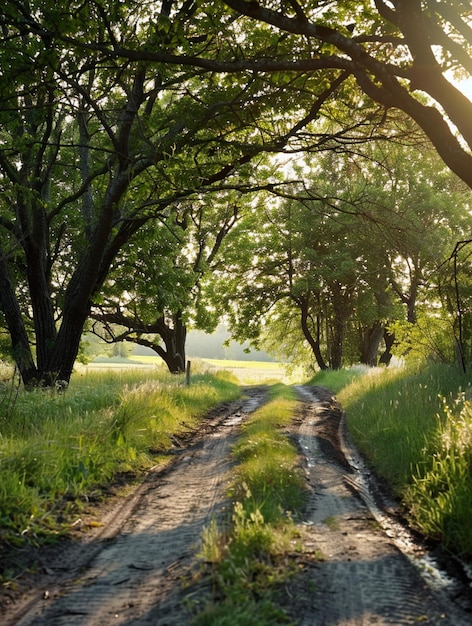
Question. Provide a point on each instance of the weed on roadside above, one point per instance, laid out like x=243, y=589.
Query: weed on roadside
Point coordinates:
x=414, y=427
x=440, y=497
x=60, y=452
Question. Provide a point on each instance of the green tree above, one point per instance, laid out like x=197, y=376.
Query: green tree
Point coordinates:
x=152, y=292
x=407, y=220
x=397, y=52
x=455, y=284
x=96, y=144
x=290, y=252
x=359, y=247
x=111, y=114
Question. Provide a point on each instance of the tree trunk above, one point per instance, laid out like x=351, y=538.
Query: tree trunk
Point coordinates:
x=314, y=343
x=337, y=344
x=42, y=307
x=341, y=298
x=172, y=333
x=66, y=347
x=174, y=340
x=386, y=356
x=173, y=354
x=21, y=350
x=370, y=344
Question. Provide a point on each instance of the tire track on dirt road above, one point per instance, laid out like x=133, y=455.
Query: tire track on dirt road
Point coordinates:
x=136, y=579
x=362, y=577
x=351, y=573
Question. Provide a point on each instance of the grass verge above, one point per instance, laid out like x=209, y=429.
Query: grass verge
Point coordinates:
x=249, y=558
x=59, y=451
x=414, y=426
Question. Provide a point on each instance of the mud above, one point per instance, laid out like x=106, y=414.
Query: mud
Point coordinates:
x=142, y=566
x=362, y=576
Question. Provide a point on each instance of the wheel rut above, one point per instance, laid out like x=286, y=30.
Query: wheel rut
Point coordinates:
x=143, y=570
x=135, y=578
x=361, y=576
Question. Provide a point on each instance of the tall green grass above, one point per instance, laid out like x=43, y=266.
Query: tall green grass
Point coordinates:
x=414, y=426
x=440, y=497
x=248, y=558
x=336, y=380
x=57, y=451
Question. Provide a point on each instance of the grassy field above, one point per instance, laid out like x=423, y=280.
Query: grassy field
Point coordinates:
x=246, y=372
x=59, y=451
x=256, y=372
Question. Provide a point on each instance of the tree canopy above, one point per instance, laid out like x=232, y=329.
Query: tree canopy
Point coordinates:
x=111, y=115
x=398, y=52
x=354, y=247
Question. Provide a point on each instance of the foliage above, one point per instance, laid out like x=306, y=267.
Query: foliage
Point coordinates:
x=96, y=147
x=430, y=338
x=113, y=118
x=153, y=292
x=456, y=292
x=326, y=267
x=389, y=51
x=104, y=425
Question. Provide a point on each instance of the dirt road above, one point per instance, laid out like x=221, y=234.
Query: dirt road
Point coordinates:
x=363, y=575
x=131, y=574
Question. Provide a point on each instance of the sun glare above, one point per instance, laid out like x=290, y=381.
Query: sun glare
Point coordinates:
x=463, y=85
x=466, y=87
